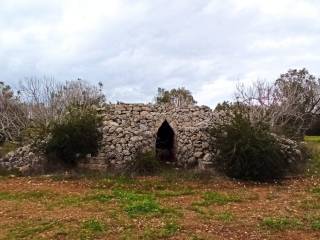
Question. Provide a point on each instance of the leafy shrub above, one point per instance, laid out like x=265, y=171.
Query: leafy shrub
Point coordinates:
x=145, y=163
x=75, y=136
x=247, y=151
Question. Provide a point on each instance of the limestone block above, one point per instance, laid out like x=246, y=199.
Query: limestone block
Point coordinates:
x=198, y=154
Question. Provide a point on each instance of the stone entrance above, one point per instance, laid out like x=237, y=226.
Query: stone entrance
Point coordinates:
x=165, y=143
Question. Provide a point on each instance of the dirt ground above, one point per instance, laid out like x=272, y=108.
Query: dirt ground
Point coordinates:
x=160, y=207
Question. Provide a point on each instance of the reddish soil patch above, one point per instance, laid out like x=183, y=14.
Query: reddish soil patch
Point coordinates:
x=63, y=202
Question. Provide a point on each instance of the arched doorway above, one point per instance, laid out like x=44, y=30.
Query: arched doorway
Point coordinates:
x=165, y=143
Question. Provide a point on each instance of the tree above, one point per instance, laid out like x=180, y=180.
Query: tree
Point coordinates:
x=297, y=94
x=13, y=115
x=47, y=101
x=176, y=97
x=289, y=104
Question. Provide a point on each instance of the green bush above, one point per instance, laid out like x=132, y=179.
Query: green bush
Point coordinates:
x=75, y=135
x=145, y=163
x=247, y=151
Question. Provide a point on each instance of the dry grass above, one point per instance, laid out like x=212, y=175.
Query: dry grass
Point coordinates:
x=171, y=206
x=158, y=208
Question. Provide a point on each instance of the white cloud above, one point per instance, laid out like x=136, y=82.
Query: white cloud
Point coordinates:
x=135, y=46
x=281, y=8
x=216, y=91
x=283, y=43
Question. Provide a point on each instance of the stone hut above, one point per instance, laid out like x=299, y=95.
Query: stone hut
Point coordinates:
x=129, y=128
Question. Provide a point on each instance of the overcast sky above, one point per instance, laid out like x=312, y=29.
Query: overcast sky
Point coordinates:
x=134, y=46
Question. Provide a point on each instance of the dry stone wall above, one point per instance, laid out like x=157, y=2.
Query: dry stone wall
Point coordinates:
x=25, y=160
x=128, y=128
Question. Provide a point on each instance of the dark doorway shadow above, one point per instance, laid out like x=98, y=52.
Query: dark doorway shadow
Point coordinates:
x=165, y=143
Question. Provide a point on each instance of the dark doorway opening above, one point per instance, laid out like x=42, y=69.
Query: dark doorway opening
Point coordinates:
x=165, y=143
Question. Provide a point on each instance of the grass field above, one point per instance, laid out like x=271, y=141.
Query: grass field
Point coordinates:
x=170, y=206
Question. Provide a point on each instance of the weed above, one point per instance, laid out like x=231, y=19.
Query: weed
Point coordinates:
x=225, y=217
x=197, y=209
x=313, y=145
x=70, y=200
x=217, y=198
x=7, y=196
x=28, y=230
x=315, y=224
x=145, y=206
x=168, y=193
x=129, y=196
x=168, y=230
x=99, y=197
x=138, y=204
x=91, y=228
x=310, y=204
x=280, y=223
x=316, y=191
x=93, y=225
x=20, y=196
x=196, y=238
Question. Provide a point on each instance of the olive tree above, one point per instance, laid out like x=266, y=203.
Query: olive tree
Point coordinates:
x=13, y=115
x=289, y=104
x=176, y=97
x=47, y=101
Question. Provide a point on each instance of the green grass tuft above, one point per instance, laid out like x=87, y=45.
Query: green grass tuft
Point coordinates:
x=316, y=190
x=30, y=230
x=170, y=229
x=312, y=204
x=315, y=224
x=137, y=203
x=169, y=193
x=146, y=206
x=70, y=200
x=93, y=226
x=91, y=229
x=129, y=196
x=21, y=196
x=210, y=198
x=99, y=197
x=313, y=145
x=225, y=217
x=167, y=231
x=280, y=223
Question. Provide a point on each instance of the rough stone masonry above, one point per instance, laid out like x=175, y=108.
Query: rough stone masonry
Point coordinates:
x=129, y=128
